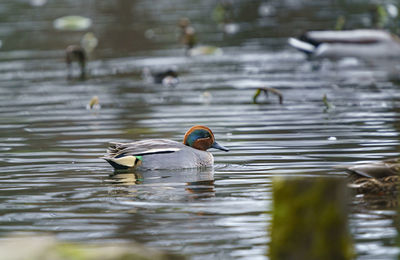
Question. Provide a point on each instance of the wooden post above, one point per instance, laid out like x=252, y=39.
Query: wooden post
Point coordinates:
x=309, y=219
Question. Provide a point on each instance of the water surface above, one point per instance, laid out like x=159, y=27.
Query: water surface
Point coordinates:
x=53, y=180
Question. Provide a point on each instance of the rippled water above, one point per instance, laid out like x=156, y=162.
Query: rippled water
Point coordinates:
x=53, y=180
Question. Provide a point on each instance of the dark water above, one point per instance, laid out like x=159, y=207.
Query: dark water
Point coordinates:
x=53, y=181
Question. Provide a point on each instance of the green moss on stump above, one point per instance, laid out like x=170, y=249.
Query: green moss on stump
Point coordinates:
x=309, y=220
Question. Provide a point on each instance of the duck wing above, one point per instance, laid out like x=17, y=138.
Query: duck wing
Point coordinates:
x=144, y=147
x=361, y=36
x=377, y=170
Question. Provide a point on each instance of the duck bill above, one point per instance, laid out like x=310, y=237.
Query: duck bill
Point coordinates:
x=220, y=147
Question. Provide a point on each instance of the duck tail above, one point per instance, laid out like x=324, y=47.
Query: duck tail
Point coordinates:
x=123, y=163
x=303, y=46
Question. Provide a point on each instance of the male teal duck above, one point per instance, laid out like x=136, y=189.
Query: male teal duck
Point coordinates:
x=361, y=43
x=155, y=154
x=381, y=177
x=76, y=53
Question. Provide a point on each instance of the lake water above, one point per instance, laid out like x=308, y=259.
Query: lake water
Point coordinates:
x=52, y=179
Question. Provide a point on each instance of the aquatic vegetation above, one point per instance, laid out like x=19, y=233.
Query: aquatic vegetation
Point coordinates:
x=328, y=105
x=265, y=90
x=340, y=23
x=384, y=16
x=223, y=15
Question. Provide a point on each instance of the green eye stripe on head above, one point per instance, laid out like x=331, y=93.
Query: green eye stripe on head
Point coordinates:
x=196, y=134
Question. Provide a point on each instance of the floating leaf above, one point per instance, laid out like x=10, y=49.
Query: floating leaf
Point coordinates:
x=72, y=23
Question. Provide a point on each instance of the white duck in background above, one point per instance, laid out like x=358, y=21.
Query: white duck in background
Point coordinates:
x=362, y=43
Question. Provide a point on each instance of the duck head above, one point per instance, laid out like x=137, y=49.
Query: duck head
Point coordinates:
x=202, y=138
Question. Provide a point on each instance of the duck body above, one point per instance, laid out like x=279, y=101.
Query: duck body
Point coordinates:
x=381, y=177
x=154, y=154
x=377, y=170
x=362, y=43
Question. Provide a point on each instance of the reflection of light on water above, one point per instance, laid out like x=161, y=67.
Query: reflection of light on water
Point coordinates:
x=266, y=9
x=38, y=2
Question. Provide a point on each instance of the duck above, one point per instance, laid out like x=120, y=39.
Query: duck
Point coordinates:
x=366, y=44
x=379, y=178
x=76, y=53
x=159, y=154
x=168, y=77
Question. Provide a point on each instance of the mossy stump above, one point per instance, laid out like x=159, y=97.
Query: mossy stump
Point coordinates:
x=309, y=220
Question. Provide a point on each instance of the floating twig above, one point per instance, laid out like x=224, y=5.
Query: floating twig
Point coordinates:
x=265, y=90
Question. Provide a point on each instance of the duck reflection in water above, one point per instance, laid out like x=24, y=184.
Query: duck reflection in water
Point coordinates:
x=185, y=184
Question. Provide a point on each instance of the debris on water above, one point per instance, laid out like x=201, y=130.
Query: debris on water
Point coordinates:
x=206, y=97
x=328, y=105
x=265, y=90
x=189, y=39
x=72, y=23
x=94, y=103
x=168, y=77
x=223, y=15
x=89, y=42
x=340, y=23
x=149, y=34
